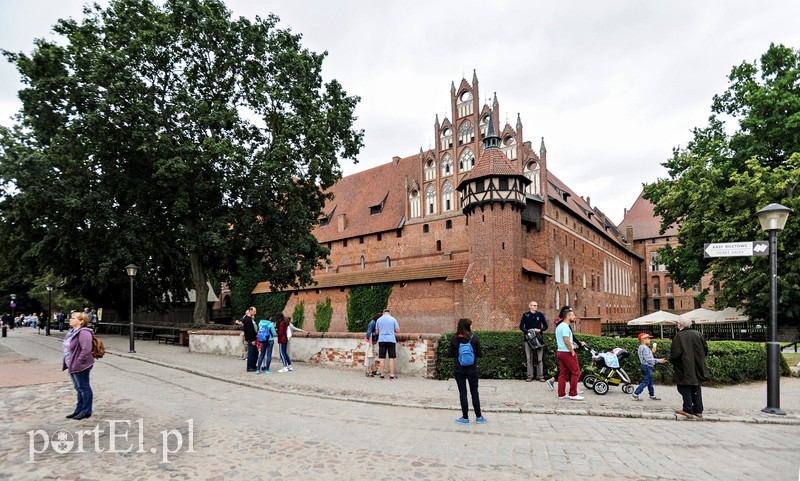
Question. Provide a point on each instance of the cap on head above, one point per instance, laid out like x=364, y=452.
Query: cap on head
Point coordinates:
x=644, y=335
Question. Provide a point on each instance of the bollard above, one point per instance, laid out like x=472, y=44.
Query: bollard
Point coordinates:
x=5, y=330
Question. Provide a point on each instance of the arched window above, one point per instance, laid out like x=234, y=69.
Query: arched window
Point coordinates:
x=558, y=299
x=447, y=165
x=464, y=104
x=430, y=170
x=447, y=196
x=388, y=261
x=584, y=280
x=532, y=172
x=566, y=300
x=510, y=147
x=605, y=276
x=566, y=271
x=557, y=267
x=466, y=133
x=413, y=200
x=446, y=139
x=484, y=126
x=466, y=161
x=430, y=199
x=362, y=262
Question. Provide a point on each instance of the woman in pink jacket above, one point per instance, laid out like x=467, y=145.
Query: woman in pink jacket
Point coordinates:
x=78, y=360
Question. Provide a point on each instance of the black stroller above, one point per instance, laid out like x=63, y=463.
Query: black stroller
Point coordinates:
x=611, y=372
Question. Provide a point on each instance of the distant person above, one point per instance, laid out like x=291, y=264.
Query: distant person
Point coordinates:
x=688, y=357
x=648, y=361
x=466, y=348
x=568, y=366
x=94, y=319
x=266, y=337
x=78, y=359
x=291, y=328
x=387, y=327
x=60, y=318
x=371, y=342
x=283, y=342
x=250, y=330
x=533, y=320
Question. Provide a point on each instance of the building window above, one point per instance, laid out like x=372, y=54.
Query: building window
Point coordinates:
x=438, y=245
x=466, y=161
x=413, y=200
x=388, y=262
x=656, y=289
x=430, y=170
x=430, y=199
x=344, y=243
x=697, y=287
x=361, y=240
x=379, y=236
x=558, y=299
x=465, y=104
x=557, y=267
x=446, y=139
x=510, y=147
x=324, y=221
x=376, y=209
x=503, y=183
x=657, y=304
x=566, y=271
x=484, y=126
x=669, y=287
x=697, y=304
x=584, y=280
x=447, y=165
x=362, y=262
x=532, y=172
x=448, y=224
x=425, y=228
x=671, y=304
x=447, y=196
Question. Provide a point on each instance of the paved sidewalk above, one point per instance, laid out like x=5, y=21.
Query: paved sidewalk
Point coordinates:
x=741, y=403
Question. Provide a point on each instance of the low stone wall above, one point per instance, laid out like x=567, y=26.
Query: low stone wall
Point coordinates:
x=416, y=353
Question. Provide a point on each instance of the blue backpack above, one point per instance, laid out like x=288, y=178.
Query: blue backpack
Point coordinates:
x=466, y=355
x=263, y=333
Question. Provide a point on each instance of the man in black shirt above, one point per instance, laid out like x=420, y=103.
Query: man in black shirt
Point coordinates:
x=250, y=333
x=533, y=319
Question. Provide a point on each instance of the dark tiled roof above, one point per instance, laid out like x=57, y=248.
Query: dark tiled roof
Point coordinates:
x=451, y=271
x=356, y=193
x=646, y=225
x=492, y=162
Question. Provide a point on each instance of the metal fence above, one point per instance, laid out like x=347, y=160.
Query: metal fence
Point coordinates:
x=738, y=331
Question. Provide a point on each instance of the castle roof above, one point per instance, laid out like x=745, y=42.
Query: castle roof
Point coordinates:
x=646, y=224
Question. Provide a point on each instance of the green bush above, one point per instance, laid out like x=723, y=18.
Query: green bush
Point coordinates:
x=363, y=302
x=323, y=315
x=299, y=314
x=729, y=362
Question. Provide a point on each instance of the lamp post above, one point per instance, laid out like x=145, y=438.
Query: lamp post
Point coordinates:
x=49, y=308
x=13, y=305
x=773, y=219
x=131, y=270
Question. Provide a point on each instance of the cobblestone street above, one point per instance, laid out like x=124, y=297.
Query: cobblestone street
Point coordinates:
x=238, y=432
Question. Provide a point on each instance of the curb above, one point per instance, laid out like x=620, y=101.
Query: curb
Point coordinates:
x=577, y=411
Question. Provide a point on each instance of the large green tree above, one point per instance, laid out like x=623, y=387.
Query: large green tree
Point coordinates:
x=747, y=157
x=173, y=136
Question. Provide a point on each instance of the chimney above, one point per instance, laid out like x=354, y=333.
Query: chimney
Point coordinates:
x=589, y=200
x=624, y=212
x=341, y=222
x=629, y=234
x=395, y=160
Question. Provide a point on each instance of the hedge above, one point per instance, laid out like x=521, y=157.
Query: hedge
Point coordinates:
x=729, y=362
x=299, y=314
x=323, y=314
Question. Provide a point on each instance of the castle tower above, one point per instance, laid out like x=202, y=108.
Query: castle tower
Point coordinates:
x=493, y=198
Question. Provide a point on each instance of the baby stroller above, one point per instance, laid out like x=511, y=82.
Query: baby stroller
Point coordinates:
x=611, y=372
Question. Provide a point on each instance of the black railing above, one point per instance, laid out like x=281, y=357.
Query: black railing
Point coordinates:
x=738, y=331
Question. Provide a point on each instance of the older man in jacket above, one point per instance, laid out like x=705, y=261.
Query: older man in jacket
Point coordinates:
x=688, y=357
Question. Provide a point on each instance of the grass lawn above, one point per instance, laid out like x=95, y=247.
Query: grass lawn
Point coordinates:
x=791, y=358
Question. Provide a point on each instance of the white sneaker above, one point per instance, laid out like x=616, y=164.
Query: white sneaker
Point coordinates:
x=291, y=368
x=576, y=398
x=284, y=370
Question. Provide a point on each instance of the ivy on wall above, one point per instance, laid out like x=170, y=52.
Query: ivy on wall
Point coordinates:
x=363, y=302
x=323, y=315
x=242, y=283
x=299, y=314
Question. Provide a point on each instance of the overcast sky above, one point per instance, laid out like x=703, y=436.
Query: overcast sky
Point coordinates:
x=612, y=86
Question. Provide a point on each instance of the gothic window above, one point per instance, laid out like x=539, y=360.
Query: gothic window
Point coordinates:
x=388, y=262
x=584, y=280
x=447, y=196
x=566, y=271
x=413, y=200
x=557, y=266
x=447, y=165
x=532, y=172
x=558, y=299
x=446, y=139
x=465, y=104
x=510, y=147
x=484, y=126
x=430, y=170
x=466, y=161
x=362, y=263
x=430, y=199
x=466, y=133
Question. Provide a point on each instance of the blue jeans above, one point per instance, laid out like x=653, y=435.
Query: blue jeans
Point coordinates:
x=252, y=356
x=265, y=356
x=285, y=355
x=471, y=376
x=647, y=381
x=85, y=395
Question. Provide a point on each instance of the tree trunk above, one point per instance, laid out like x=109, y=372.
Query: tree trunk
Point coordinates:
x=200, y=288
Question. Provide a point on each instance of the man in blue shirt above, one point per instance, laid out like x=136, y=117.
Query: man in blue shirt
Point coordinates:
x=533, y=320
x=386, y=326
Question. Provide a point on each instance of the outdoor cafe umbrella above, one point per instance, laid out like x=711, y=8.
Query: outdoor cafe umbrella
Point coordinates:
x=701, y=315
x=658, y=318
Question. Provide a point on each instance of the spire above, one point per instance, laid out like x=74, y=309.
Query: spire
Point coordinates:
x=421, y=155
x=494, y=102
x=542, y=148
x=474, y=77
x=519, y=122
x=452, y=87
x=492, y=141
x=437, y=122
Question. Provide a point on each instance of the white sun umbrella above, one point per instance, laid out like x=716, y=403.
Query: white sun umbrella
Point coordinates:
x=729, y=314
x=658, y=318
x=701, y=315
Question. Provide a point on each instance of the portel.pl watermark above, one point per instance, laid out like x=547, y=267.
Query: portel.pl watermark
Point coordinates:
x=120, y=439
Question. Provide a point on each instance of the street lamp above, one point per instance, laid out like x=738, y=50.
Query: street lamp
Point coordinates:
x=13, y=304
x=49, y=308
x=773, y=219
x=131, y=270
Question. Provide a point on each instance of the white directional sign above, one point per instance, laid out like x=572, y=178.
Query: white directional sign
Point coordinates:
x=736, y=249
